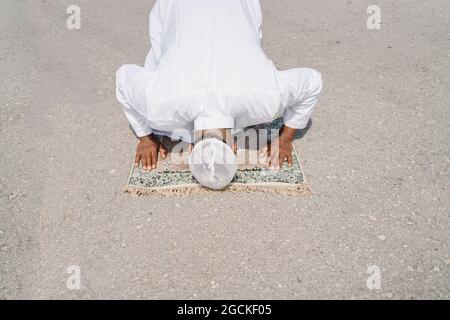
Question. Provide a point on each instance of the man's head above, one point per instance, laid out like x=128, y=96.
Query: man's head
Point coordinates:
x=213, y=163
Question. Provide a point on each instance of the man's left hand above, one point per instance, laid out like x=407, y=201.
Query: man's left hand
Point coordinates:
x=280, y=150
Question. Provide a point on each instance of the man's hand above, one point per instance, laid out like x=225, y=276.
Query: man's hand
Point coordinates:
x=147, y=152
x=281, y=149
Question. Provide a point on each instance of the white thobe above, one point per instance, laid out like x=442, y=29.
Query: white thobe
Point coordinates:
x=206, y=70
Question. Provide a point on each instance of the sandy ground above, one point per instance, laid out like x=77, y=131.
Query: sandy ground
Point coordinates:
x=377, y=157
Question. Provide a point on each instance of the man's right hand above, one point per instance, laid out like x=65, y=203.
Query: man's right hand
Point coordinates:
x=147, y=152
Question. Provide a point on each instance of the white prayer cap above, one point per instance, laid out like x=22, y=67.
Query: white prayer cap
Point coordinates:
x=213, y=163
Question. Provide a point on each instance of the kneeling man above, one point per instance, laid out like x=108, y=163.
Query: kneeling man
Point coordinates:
x=206, y=72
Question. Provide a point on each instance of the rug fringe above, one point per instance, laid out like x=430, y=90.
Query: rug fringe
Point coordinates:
x=191, y=189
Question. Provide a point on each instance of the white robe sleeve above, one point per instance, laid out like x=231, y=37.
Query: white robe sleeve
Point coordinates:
x=300, y=94
x=156, y=29
x=258, y=17
x=131, y=102
x=140, y=127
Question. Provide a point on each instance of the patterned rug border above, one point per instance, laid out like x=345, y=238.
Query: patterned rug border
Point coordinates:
x=274, y=188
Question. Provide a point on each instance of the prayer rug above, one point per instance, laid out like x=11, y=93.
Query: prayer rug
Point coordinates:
x=173, y=178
